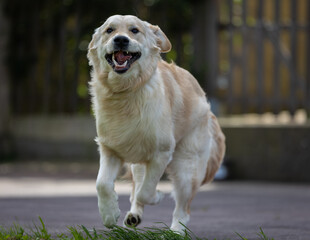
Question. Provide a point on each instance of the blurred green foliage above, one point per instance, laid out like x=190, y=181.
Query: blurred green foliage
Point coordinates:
x=48, y=43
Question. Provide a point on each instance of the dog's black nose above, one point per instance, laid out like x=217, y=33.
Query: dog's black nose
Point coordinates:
x=121, y=42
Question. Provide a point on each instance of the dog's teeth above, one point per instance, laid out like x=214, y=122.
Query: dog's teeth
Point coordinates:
x=115, y=63
x=124, y=64
x=118, y=65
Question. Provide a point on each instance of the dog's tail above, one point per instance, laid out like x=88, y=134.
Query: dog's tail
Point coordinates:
x=217, y=149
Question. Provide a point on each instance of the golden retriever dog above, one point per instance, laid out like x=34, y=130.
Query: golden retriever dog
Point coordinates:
x=152, y=115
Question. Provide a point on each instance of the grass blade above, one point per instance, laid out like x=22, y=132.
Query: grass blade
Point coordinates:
x=41, y=231
x=87, y=232
x=243, y=238
x=263, y=236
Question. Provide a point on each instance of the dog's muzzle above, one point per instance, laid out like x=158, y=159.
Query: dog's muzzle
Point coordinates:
x=121, y=59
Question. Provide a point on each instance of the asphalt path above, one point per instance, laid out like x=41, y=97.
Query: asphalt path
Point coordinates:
x=218, y=211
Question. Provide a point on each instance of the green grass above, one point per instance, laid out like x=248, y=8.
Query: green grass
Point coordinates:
x=82, y=233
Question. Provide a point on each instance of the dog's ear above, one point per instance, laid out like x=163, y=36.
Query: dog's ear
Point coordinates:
x=92, y=48
x=161, y=39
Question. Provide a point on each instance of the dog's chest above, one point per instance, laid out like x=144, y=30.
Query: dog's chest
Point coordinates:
x=131, y=129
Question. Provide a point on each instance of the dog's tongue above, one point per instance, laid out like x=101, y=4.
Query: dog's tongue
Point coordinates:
x=121, y=57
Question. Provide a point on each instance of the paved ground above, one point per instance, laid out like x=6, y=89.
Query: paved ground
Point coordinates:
x=218, y=211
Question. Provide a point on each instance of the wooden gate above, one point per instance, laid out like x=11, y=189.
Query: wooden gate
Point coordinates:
x=264, y=55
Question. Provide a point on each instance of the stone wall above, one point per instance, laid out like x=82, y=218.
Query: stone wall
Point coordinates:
x=53, y=137
x=269, y=152
x=254, y=152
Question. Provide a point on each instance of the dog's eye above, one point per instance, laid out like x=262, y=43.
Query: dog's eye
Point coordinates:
x=109, y=30
x=135, y=30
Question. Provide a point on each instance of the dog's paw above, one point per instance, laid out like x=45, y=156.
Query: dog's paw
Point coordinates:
x=110, y=218
x=178, y=229
x=132, y=220
x=178, y=224
x=110, y=221
x=109, y=212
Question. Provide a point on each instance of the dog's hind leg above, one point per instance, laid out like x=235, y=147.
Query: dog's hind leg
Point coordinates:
x=185, y=185
x=187, y=171
x=134, y=216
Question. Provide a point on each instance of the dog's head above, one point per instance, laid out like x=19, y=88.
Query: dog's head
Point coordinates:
x=126, y=45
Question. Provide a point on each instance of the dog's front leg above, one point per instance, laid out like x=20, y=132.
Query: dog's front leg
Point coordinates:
x=133, y=217
x=107, y=197
x=146, y=179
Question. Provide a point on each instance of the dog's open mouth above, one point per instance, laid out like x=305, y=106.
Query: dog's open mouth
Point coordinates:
x=121, y=61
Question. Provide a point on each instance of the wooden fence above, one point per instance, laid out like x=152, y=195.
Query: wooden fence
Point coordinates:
x=47, y=64
x=264, y=49
x=262, y=63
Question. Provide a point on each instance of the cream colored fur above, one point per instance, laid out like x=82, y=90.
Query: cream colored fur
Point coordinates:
x=156, y=117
